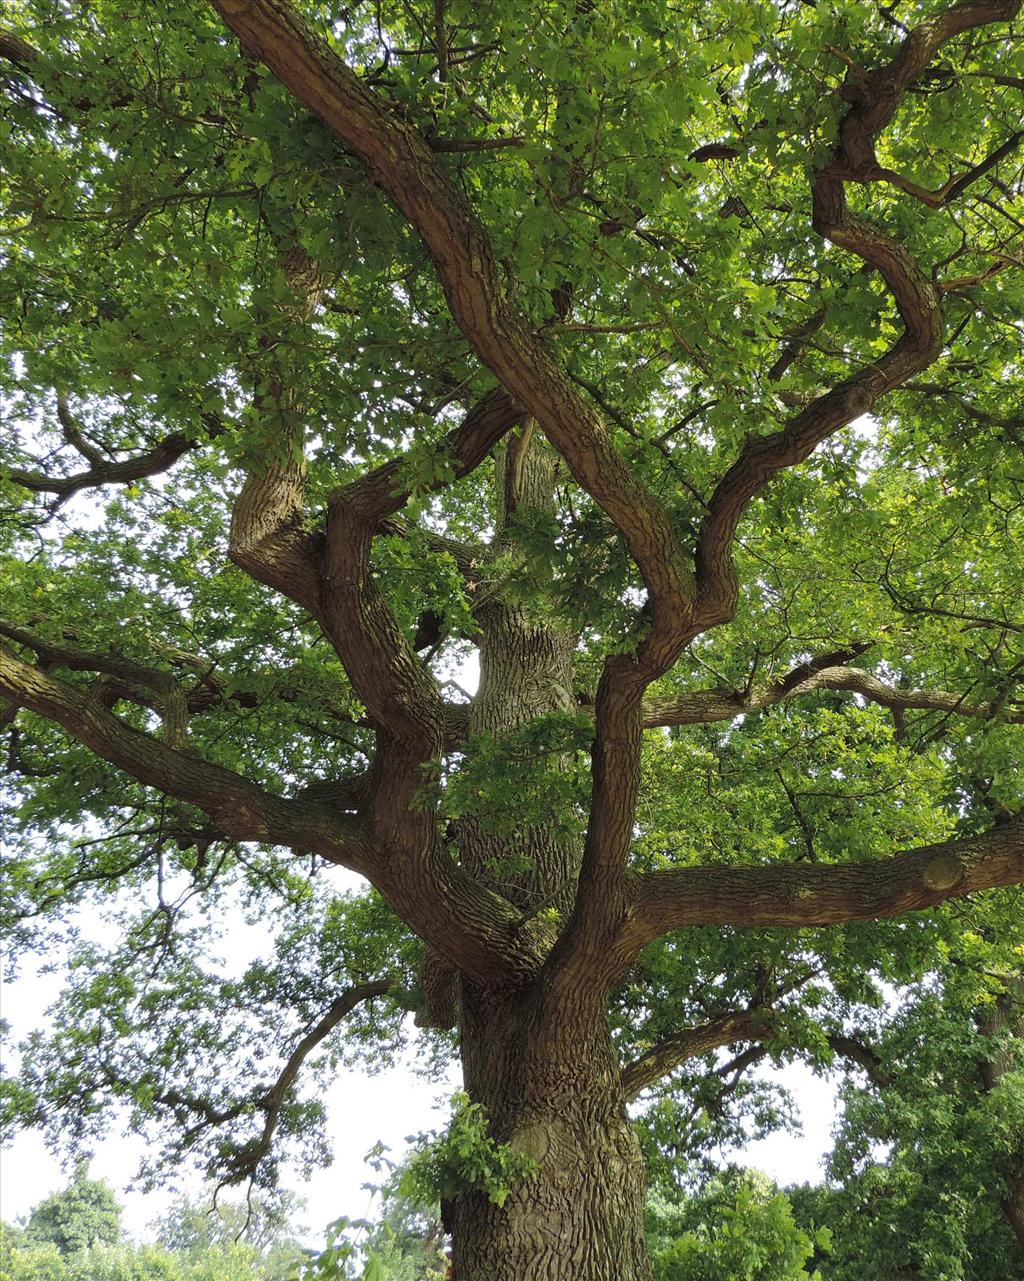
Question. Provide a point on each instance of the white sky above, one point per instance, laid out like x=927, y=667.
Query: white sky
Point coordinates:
x=363, y=1110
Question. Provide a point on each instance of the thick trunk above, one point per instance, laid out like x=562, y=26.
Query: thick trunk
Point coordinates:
x=525, y=672
x=579, y=1216
x=557, y=1097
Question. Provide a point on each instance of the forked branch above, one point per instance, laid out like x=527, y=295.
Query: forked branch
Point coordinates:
x=171, y=700
x=702, y=707
x=476, y=929
x=402, y=162
x=690, y=1043
x=756, y=1026
x=245, y=1162
x=103, y=470
x=238, y=807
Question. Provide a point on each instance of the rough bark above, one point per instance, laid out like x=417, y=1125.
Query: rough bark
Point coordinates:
x=555, y=1095
x=580, y=1215
x=525, y=673
x=800, y=896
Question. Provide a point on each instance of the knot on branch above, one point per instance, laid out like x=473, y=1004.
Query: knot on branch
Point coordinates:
x=943, y=873
x=858, y=400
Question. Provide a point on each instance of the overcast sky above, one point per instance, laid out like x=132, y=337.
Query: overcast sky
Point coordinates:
x=363, y=1110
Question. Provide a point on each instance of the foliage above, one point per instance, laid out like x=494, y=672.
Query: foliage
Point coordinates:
x=265, y=1226
x=242, y=368
x=465, y=1158
x=926, y=1157
x=532, y=775
x=44, y=1262
x=84, y=1214
x=406, y=1242
x=75, y=1235
x=198, y=1011
x=400, y=1246
x=738, y=1228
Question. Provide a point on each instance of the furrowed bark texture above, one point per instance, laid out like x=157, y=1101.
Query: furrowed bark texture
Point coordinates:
x=580, y=1215
x=525, y=673
x=792, y=895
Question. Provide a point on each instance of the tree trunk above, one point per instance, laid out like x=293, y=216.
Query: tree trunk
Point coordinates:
x=579, y=1217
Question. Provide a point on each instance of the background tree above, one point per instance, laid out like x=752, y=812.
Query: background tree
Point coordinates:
x=379, y=336
x=738, y=1228
x=75, y=1235
x=927, y=1177
x=84, y=1214
x=266, y=1226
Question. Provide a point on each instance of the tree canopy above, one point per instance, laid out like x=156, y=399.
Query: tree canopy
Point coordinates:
x=84, y=1214
x=663, y=364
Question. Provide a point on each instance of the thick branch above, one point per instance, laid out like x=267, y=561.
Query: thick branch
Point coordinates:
x=475, y=144
x=951, y=190
x=691, y=1043
x=150, y=463
x=401, y=161
x=402, y=701
x=866, y=1058
x=239, y=808
x=171, y=699
x=14, y=49
x=270, y=536
x=477, y=930
x=746, y=1025
x=803, y=896
x=379, y=494
x=702, y=707
x=73, y=433
x=795, y=342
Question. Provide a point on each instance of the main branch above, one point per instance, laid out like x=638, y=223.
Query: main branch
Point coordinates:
x=402, y=162
x=875, y=97
x=802, y=896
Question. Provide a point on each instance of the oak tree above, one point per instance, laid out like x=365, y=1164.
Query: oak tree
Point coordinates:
x=666, y=360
